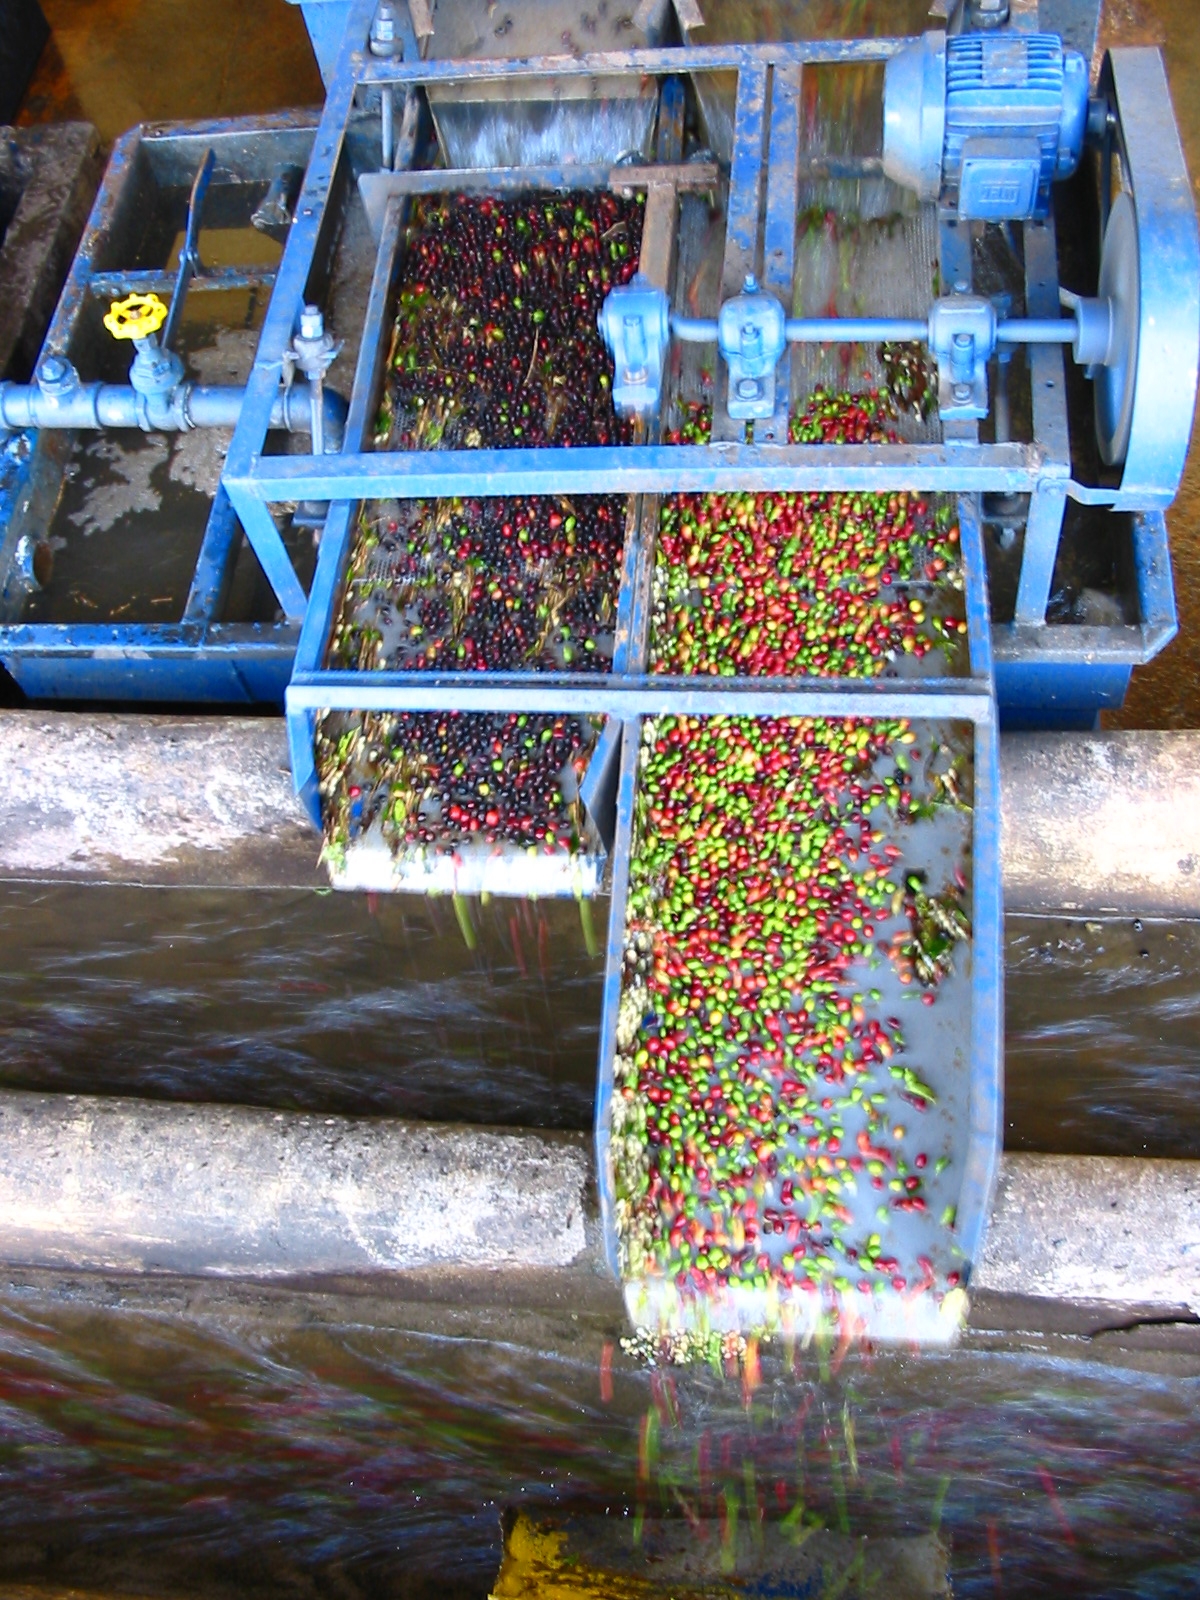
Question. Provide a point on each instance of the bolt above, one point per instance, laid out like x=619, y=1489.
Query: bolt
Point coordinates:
x=383, y=31
x=312, y=323
x=963, y=341
x=962, y=392
x=53, y=369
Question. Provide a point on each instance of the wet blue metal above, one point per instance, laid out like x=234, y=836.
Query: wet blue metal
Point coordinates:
x=1058, y=676
x=742, y=209
x=214, y=565
x=768, y=73
x=334, y=552
x=614, y=966
x=1048, y=393
x=588, y=694
x=986, y=1136
x=1038, y=691
x=1155, y=582
x=985, y=1061
x=326, y=24
x=219, y=663
x=651, y=62
x=283, y=313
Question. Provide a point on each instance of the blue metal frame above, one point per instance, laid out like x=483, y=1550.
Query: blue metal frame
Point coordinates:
x=1041, y=470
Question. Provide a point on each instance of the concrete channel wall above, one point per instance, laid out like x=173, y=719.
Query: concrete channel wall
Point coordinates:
x=1092, y=823
x=128, y=1186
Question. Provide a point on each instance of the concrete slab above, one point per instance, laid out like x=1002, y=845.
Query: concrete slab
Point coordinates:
x=135, y=1186
x=1106, y=822
x=191, y=801
x=1091, y=823
x=1110, y=1230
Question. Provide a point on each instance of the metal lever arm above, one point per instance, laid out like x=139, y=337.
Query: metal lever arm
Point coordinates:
x=189, y=255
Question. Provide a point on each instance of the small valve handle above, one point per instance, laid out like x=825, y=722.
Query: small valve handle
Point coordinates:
x=136, y=317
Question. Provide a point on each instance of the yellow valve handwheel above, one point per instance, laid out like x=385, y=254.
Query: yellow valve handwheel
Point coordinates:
x=136, y=317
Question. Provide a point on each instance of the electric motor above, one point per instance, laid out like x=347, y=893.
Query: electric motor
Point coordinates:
x=985, y=122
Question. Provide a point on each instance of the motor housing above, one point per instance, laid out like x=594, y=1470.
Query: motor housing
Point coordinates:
x=985, y=122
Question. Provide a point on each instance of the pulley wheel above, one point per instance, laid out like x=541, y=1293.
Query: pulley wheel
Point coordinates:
x=1121, y=285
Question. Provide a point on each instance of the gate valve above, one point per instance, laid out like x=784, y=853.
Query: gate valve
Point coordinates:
x=155, y=371
x=313, y=349
x=137, y=317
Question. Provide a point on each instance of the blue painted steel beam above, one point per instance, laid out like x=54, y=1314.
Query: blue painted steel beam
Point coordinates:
x=587, y=695
x=742, y=210
x=614, y=970
x=326, y=24
x=1048, y=392
x=986, y=1057
x=339, y=523
x=651, y=62
x=214, y=566
x=193, y=662
x=645, y=469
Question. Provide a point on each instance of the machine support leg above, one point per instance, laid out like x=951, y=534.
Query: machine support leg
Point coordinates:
x=1048, y=391
x=268, y=546
x=741, y=221
x=1042, y=530
x=779, y=238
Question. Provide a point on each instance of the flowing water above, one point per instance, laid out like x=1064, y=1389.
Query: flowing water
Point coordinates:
x=310, y=1447
x=379, y=1006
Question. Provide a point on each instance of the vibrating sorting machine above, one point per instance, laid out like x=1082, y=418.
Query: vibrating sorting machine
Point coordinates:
x=734, y=434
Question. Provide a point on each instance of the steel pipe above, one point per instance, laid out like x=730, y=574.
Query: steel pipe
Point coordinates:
x=1037, y=330
x=854, y=330
x=694, y=330
x=871, y=330
x=189, y=405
